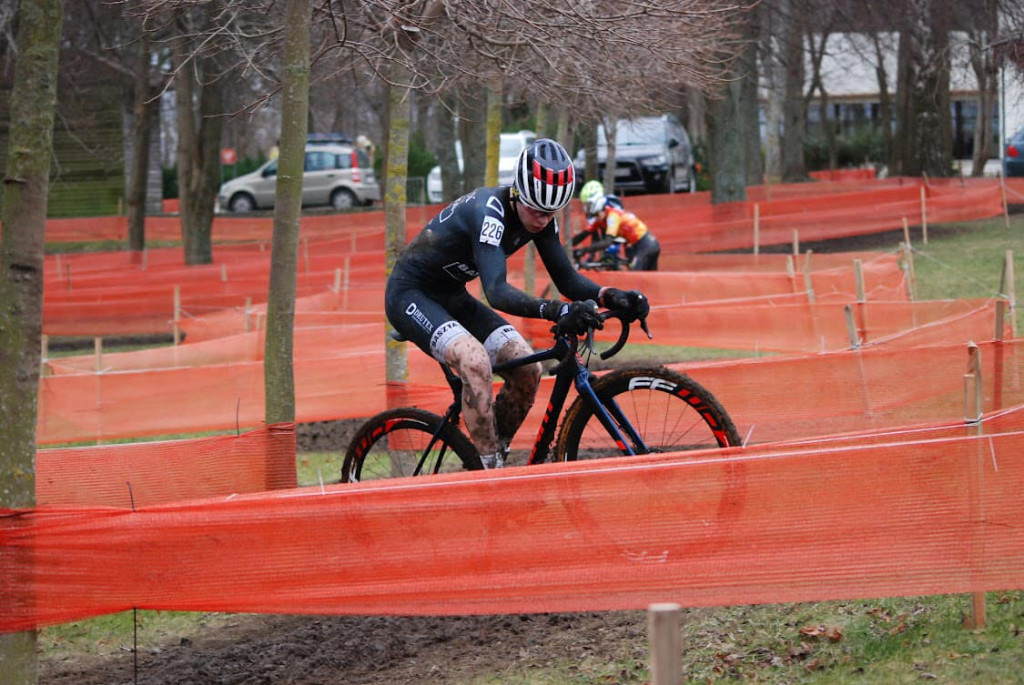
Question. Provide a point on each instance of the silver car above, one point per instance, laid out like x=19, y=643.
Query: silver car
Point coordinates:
x=337, y=175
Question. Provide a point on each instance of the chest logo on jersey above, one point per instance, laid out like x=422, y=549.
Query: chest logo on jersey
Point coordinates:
x=491, y=231
x=460, y=272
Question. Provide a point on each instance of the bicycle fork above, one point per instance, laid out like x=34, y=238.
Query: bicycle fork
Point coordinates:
x=611, y=417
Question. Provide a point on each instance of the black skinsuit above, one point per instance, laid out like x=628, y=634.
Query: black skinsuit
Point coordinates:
x=472, y=237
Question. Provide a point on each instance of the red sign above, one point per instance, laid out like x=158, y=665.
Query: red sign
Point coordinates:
x=228, y=156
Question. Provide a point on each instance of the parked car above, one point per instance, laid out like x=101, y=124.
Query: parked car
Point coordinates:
x=652, y=155
x=334, y=174
x=1013, y=160
x=511, y=145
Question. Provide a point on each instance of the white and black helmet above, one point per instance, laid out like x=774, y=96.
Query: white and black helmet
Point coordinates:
x=545, y=179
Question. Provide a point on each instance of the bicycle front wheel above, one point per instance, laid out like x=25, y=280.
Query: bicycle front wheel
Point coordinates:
x=401, y=442
x=663, y=411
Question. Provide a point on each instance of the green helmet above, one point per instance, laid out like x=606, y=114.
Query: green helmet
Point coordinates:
x=591, y=189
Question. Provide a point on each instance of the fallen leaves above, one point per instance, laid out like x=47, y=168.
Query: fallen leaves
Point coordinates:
x=830, y=633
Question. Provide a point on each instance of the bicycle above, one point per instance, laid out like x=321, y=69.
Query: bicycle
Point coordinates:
x=625, y=412
x=606, y=258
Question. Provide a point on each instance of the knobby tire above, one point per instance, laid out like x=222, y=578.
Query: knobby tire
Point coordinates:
x=391, y=444
x=671, y=412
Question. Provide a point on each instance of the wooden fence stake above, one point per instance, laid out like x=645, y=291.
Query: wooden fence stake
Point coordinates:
x=1008, y=288
x=796, y=242
x=177, y=314
x=807, y=277
x=851, y=328
x=1006, y=207
x=44, y=354
x=97, y=346
x=908, y=267
x=344, y=300
x=248, y=313
x=757, y=228
x=665, y=644
x=924, y=216
x=973, y=412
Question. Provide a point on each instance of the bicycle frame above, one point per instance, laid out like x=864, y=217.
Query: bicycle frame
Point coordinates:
x=570, y=370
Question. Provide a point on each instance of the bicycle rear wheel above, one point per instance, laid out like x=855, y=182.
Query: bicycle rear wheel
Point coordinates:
x=669, y=412
x=395, y=443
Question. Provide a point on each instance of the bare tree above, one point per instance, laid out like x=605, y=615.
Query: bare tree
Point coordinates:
x=923, y=117
x=279, y=378
x=26, y=189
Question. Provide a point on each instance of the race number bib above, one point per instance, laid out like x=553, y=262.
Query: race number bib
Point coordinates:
x=491, y=231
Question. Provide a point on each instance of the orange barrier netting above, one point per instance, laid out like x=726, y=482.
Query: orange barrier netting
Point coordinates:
x=110, y=294
x=140, y=474
x=848, y=207
x=903, y=517
x=343, y=377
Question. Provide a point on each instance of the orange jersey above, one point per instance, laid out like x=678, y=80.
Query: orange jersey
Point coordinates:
x=619, y=222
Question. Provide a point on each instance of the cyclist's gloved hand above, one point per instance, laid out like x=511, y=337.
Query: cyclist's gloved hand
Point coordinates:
x=574, y=317
x=631, y=303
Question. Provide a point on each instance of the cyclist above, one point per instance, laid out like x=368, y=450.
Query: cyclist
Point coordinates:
x=612, y=221
x=427, y=302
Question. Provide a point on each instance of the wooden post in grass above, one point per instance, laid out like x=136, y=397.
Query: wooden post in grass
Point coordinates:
x=858, y=279
x=44, y=353
x=177, y=314
x=851, y=328
x=344, y=300
x=97, y=346
x=1008, y=289
x=223, y=272
x=973, y=411
x=665, y=644
x=807, y=277
x=908, y=267
x=757, y=228
x=1006, y=206
x=924, y=216
x=337, y=280
x=248, y=313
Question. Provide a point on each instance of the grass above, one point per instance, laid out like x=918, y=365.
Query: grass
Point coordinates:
x=864, y=642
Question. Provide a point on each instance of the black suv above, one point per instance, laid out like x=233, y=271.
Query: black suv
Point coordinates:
x=652, y=155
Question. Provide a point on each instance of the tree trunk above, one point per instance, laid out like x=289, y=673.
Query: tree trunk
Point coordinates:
x=925, y=125
x=986, y=71
x=771, y=25
x=884, y=104
x=451, y=175
x=138, y=179
x=473, y=132
x=26, y=189
x=794, y=168
x=748, y=104
x=727, y=130
x=396, y=360
x=198, y=149
x=279, y=378
x=494, y=111
x=611, y=129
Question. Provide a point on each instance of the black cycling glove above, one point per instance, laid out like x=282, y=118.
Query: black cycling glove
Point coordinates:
x=574, y=317
x=632, y=303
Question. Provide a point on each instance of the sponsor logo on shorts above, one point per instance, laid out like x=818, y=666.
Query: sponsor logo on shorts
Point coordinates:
x=414, y=313
x=444, y=334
